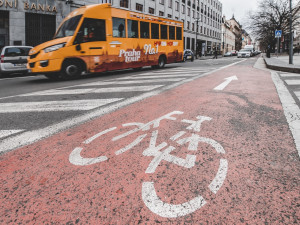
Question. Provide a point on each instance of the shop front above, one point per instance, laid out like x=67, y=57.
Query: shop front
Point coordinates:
x=30, y=22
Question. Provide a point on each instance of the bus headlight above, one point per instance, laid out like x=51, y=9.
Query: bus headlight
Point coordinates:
x=54, y=47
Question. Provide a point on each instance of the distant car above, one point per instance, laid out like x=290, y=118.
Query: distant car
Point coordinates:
x=188, y=55
x=234, y=52
x=228, y=54
x=13, y=59
x=244, y=53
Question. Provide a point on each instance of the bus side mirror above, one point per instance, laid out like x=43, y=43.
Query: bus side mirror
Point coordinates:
x=78, y=47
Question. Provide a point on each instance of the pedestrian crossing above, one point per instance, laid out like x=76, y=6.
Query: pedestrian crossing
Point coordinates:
x=88, y=96
x=292, y=80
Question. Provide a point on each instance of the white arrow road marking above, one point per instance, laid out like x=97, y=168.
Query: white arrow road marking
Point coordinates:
x=225, y=83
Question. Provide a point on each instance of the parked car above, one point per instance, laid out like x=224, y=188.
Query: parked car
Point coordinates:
x=188, y=55
x=13, y=59
x=234, y=52
x=244, y=53
x=228, y=54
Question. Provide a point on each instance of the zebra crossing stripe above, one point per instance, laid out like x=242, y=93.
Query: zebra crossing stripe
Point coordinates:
x=77, y=105
x=153, y=76
x=130, y=82
x=292, y=82
x=6, y=133
x=289, y=75
x=93, y=90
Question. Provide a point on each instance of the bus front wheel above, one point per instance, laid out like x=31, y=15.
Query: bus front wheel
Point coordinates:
x=71, y=70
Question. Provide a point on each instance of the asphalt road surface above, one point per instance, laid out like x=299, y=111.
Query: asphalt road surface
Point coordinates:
x=209, y=142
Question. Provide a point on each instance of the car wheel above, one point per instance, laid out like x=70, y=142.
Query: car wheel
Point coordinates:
x=184, y=59
x=71, y=70
x=192, y=59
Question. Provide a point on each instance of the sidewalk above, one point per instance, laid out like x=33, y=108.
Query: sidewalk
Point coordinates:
x=282, y=63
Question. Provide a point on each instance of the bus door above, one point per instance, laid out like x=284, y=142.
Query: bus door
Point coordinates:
x=91, y=44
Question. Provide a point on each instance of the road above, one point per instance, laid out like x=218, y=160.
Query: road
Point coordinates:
x=207, y=142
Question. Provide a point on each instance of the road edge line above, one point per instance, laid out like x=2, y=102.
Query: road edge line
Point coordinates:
x=30, y=137
x=290, y=108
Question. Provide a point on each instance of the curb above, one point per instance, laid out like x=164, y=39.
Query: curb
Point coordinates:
x=275, y=66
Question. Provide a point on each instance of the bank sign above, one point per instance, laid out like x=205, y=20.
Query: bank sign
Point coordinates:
x=37, y=6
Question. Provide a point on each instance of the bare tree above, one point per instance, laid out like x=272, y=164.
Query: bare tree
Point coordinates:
x=271, y=15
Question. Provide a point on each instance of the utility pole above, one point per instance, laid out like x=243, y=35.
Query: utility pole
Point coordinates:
x=291, y=34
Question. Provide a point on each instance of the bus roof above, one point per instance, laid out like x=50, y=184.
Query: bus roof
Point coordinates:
x=124, y=13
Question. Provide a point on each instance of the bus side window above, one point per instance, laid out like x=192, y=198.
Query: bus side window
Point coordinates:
x=163, y=31
x=133, y=29
x=144, y=30
x=119, y=27
x=154, y=31
x=178, y=33
x=171, y=33
x=93, y=30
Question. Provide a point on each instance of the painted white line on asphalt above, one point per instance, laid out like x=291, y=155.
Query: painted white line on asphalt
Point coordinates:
x=6, y=133
x=30, y=137
x=291, y=109
x=47, y=106
x=292, y=82
x=225, y=83
x=218, y=181
x=289, y=75
x=93, y=90
x=154, y=76
x=166, y=210
x=137, y=81
x=13, y=78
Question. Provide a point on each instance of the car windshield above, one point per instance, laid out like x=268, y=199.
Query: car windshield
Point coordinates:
x=245, y=50
x=16, y=51
x=68, y=27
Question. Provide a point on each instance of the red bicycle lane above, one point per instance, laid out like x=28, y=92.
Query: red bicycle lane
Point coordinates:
x=188, y=155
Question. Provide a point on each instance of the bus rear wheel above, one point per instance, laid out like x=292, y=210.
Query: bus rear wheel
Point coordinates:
x=161, y=63
x=71, y=69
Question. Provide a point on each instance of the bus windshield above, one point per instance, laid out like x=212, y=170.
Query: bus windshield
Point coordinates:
x=68, y=27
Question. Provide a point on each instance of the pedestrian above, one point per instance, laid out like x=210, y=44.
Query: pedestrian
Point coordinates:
x=215, y=53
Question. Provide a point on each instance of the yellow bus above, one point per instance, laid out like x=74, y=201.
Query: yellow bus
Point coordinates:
x=99, y=38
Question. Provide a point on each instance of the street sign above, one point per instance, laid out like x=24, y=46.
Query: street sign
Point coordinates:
x=278, y=33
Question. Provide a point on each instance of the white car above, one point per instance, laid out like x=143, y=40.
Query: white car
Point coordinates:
x=14, y=59
x=244, y=53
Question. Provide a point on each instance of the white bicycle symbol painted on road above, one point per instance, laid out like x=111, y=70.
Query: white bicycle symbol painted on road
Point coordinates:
x=162, y=152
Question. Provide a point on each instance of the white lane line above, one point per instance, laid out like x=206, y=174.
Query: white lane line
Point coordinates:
x=93, y=90
x=173, y=72
x=297, y=93
x=54, y=105
x=30, y=137
x=6, y=133
x=289, y=75
x=130, y=82
x=153, y=76
x=292, y=82
x=291, y=109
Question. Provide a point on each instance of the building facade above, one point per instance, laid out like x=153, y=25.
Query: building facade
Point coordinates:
x=228, y=37
x=31, y=22
x=237, y=30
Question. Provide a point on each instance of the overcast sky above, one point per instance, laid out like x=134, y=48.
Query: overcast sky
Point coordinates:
x=239, y=8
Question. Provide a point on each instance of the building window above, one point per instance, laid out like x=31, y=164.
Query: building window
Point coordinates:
x=118, y=27
x=189, y=11
x=170, y=3
x=162, y=2
x=139, y=7
x=161, y=13
x=124, y=3
x=188, y=25
x=193, y=27
x=177, y=6
x=151, y=10
x=183, y=9
x=169, y=16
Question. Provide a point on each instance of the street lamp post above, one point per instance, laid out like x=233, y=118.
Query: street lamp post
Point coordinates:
x=291, y=35
x=197, y=29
